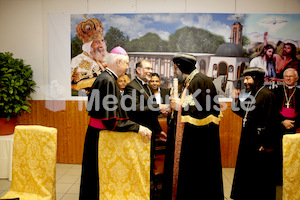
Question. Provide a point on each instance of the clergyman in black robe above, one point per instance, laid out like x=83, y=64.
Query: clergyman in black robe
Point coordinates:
x=254, y=176
x=105, y=114
x=195, y=171
x=288, y=96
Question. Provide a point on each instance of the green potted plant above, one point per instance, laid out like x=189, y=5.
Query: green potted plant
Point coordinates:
x=16, y=85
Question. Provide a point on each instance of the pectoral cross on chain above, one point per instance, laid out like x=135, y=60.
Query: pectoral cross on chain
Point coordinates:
x=244, y=121
x=287, y=104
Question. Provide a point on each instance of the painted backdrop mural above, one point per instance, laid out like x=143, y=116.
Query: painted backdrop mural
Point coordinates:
x=224, y=44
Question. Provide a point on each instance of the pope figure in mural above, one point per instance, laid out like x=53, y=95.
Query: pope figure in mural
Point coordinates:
x=92, y=61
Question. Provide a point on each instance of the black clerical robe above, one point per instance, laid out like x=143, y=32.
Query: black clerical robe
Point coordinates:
x=200, y=169
x=255, y=170
x=106, y=114
x=294, y=106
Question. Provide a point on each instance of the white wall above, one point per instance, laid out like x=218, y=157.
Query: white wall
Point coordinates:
x=23, y=23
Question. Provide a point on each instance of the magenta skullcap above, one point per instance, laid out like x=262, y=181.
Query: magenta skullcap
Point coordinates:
x=119, y=50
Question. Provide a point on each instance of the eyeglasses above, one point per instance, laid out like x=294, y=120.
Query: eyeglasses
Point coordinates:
x=289, y=76
x=147, y=68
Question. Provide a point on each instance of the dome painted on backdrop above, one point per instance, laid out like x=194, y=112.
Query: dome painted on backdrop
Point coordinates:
x=230, y=50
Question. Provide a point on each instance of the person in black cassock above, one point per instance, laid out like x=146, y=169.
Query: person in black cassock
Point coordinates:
x=193, y=167
x=288, y=96
x=289, y=101
x=105, y=115
x=254, y=176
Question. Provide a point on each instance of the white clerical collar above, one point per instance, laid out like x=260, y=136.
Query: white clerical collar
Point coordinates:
x=289, y=86
x=143, y=82
x=112, y=72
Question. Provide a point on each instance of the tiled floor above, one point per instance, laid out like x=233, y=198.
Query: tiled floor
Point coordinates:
x=68, y=182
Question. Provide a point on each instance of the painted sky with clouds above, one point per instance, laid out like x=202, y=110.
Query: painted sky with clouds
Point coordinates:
x=279, y=26
x=283, y=26
x=137, y=25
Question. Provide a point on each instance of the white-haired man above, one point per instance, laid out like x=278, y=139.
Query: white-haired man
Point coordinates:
x=105, y=114
x=288, y=96
x=89, y=64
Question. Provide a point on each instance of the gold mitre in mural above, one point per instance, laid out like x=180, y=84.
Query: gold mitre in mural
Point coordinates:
x=89, y=29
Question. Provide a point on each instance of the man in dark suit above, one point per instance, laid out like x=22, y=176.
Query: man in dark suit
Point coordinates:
x=140, y=104
x=144, y=108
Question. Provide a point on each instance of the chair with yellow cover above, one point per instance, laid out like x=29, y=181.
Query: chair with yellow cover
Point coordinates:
x=124, y=166
x=34, y=163
x=291, y=166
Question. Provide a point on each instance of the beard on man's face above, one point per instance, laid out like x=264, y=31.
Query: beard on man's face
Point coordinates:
x=99, y=54
x=250, y=87
x=284, y=53
x=179, y=76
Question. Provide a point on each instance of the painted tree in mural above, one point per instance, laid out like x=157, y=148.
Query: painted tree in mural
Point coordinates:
x=186, y=39
x=150, y=42
x=194, y=40
x=76, y=46
x=114, y=37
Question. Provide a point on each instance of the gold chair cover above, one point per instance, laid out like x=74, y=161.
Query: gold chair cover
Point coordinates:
x=291, y=167
x=34, y=163
x=124, y=166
